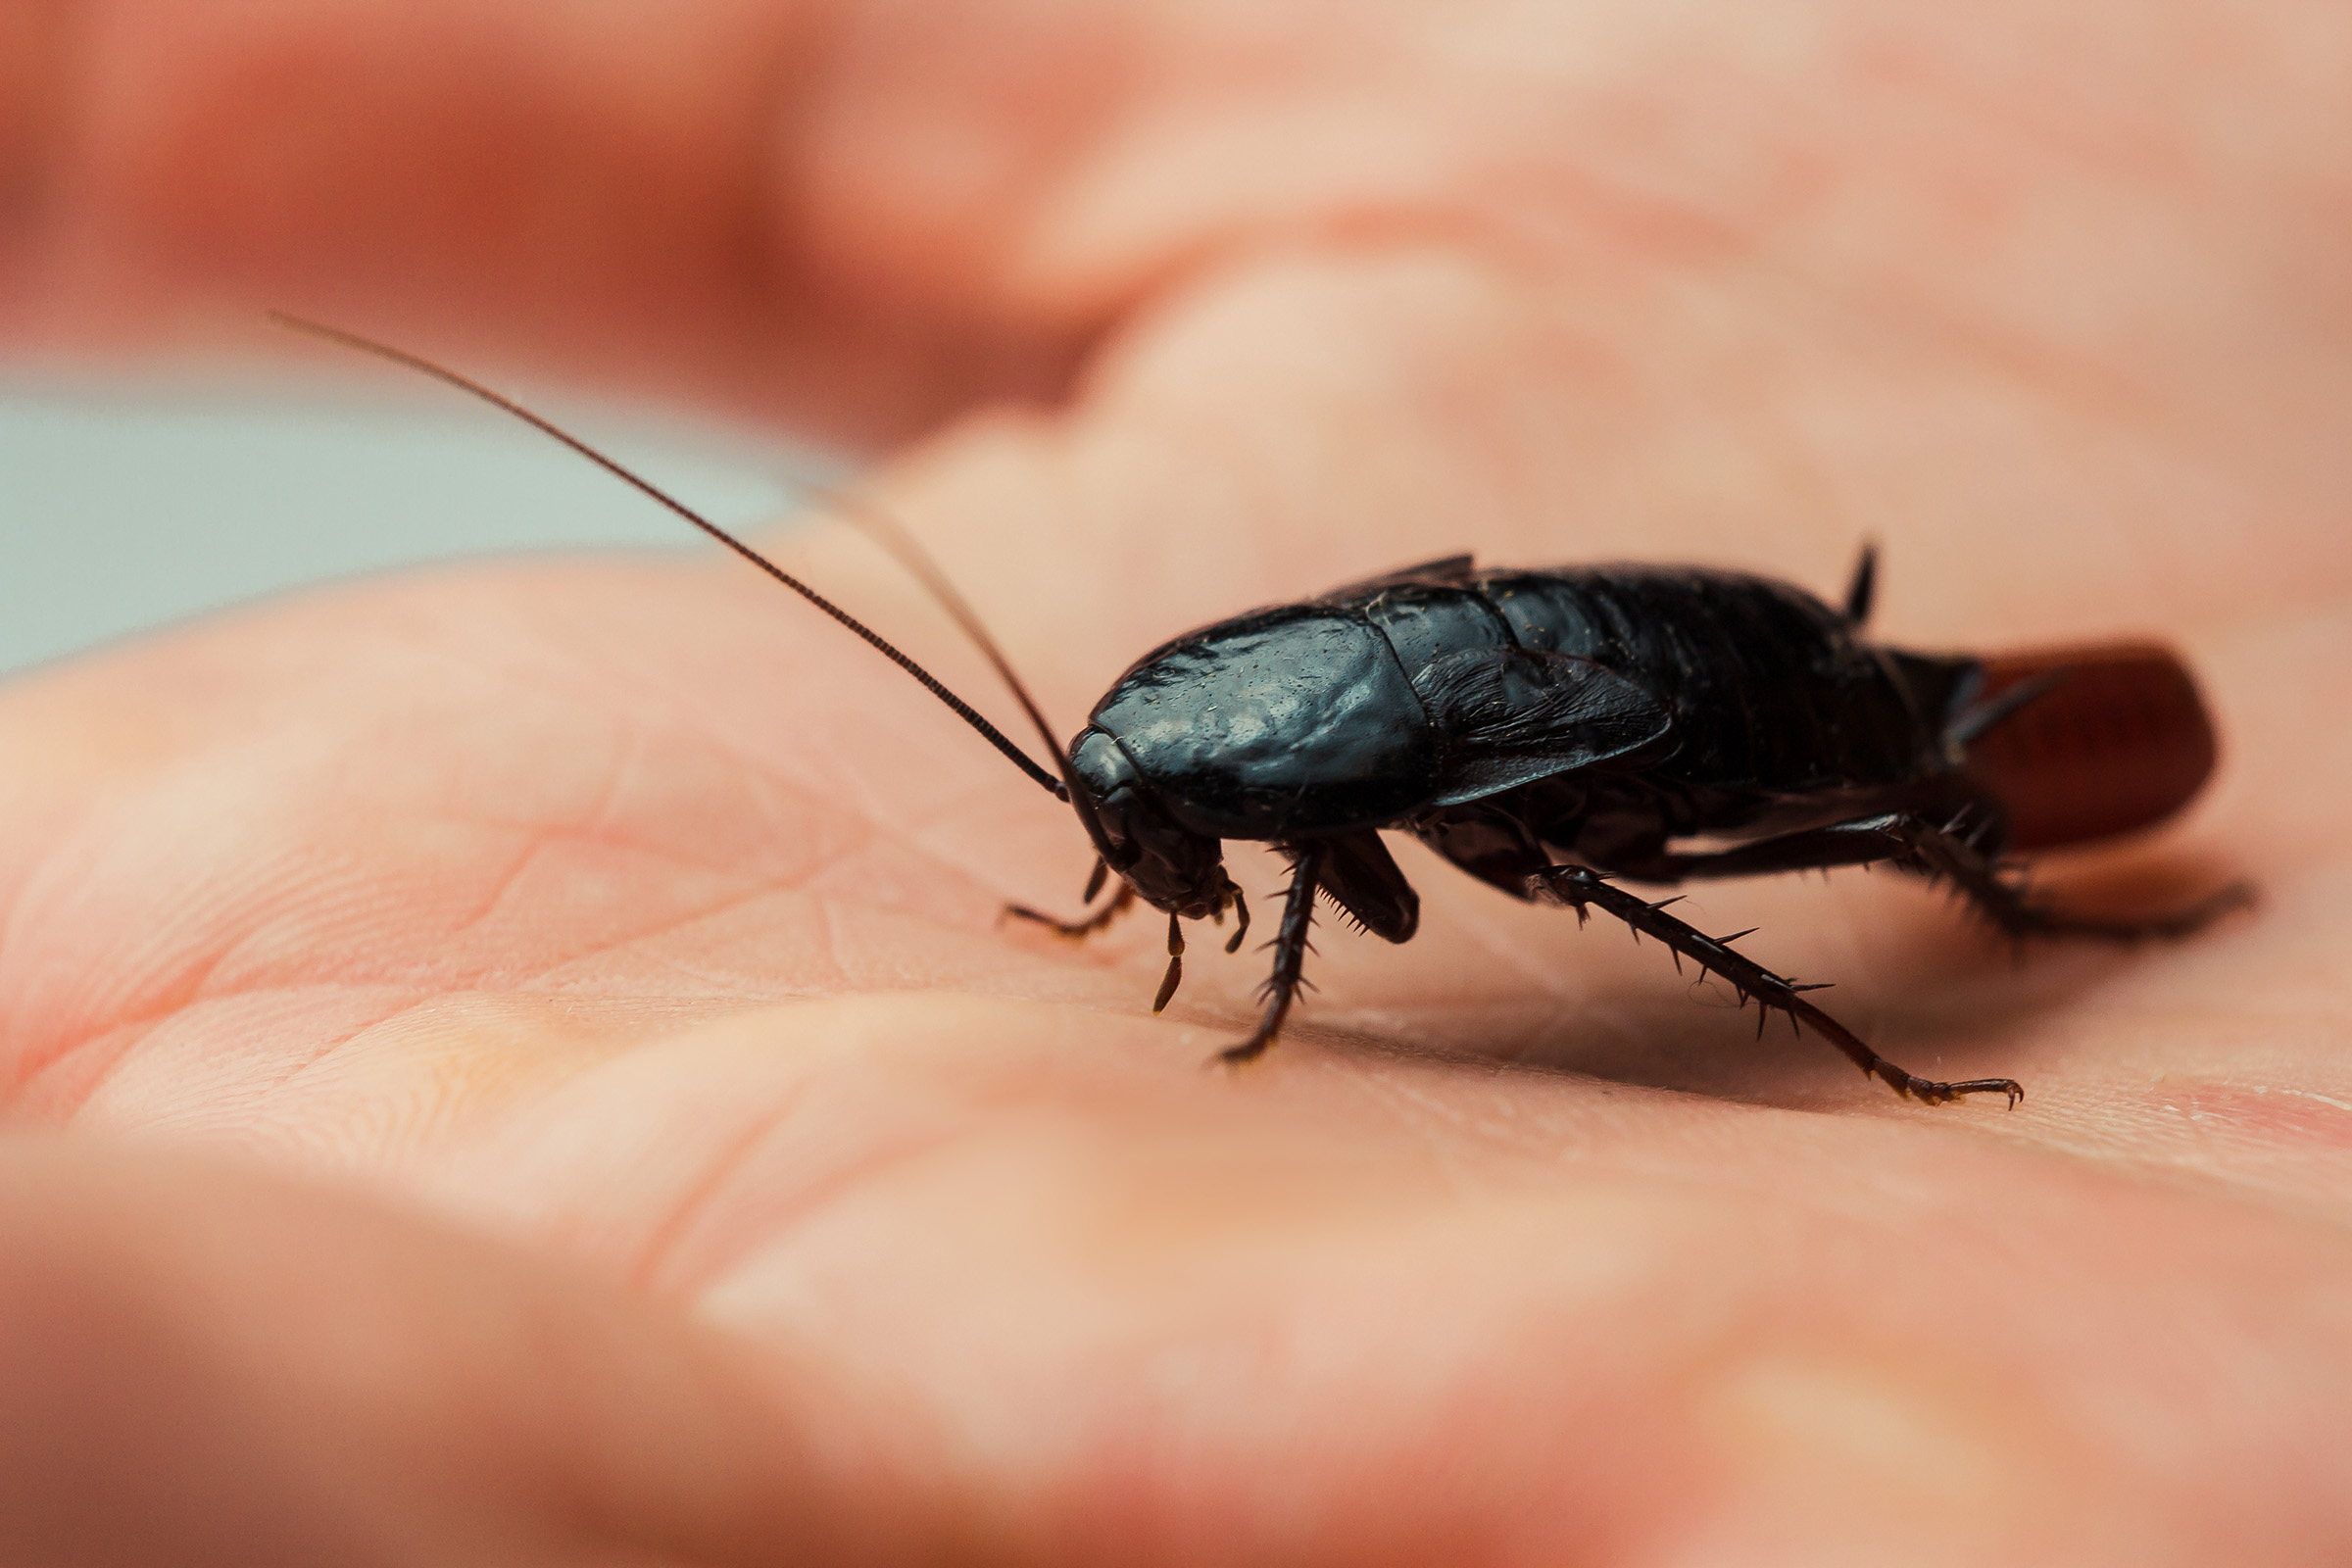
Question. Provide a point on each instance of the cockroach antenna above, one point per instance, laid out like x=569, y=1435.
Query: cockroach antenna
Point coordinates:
x=860, y=512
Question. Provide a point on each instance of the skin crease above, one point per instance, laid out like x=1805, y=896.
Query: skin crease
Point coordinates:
x=533, y=1041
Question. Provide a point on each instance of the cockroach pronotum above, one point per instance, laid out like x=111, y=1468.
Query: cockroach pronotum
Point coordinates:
x=1556, y=733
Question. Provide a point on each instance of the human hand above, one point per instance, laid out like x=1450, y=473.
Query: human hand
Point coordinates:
x=636, y=917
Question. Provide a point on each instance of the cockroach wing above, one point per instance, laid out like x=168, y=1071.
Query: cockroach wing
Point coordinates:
x=1508, y=717
x=1362, y=878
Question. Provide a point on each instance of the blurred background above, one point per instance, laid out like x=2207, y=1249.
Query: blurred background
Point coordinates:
x=132, y=499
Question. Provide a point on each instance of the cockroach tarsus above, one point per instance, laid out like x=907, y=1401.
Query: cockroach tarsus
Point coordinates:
x=1558, y=733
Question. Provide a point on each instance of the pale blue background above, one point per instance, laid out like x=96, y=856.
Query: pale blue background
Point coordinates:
x=132, y=500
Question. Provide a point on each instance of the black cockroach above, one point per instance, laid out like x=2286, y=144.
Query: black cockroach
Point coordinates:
x=1555, y=732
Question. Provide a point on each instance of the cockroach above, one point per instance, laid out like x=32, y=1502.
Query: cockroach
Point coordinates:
x=1556, y=733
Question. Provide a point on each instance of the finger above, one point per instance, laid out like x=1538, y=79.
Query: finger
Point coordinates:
x=642, y=185
x=258, y=1374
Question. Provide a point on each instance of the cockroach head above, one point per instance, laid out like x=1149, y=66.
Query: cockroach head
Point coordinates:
x=1172, y=868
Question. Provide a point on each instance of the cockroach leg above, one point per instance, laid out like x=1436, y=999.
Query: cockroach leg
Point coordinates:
x=1577, y=886
x=1290, y=958
x=1241, y=918
x=1122, y=901
x=1938, y=853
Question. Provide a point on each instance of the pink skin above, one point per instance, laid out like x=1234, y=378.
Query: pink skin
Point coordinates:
x=518, y=1064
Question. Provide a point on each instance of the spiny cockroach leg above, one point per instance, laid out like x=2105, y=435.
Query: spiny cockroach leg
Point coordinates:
x=1941, y=854
x=1290, y=945
x=1579, y=887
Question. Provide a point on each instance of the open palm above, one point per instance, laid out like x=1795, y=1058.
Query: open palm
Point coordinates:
x=546, y=1078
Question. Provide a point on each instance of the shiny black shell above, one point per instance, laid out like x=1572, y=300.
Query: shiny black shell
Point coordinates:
x=1708, y=699
x=1293, y=720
